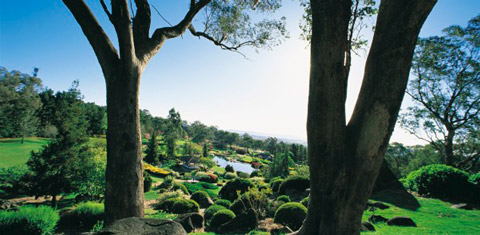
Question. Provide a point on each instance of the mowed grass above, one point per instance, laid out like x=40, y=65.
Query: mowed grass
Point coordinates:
x=13, y=152
x=433, y=217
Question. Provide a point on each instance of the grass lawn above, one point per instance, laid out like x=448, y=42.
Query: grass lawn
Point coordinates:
x=150, y=195
x=13, y=153
x=433, y=217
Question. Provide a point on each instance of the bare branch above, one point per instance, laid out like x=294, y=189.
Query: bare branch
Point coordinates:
x=123, y=27
x=96, y=36
x=105, y=9
x=141, y=25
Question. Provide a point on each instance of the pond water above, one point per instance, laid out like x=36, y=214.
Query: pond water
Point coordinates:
x=238, y=166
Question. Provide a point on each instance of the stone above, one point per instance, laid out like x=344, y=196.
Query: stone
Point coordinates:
x=464, y=206
x=402, y=221
x=8, y=205
x=242, y=223
x=190, y=221
x=143, y=226
x=377, y=219
x=367, y=227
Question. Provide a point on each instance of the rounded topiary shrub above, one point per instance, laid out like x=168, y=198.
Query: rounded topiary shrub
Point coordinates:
x=223, y=202
x=230, y=175
x=275, y=184
x=475, y=179
x=283, y=198
x=439, y=181
x=229, y=191
x=183, y=206
x=294, y=183
x=178, y=186
x=291, y=214
x=229, y=168
x=166, y=205
x=29, y=220
x=209, y=212
x=202, y=198
x=84, y=215
x=221, y=217
x=305, y=202
x=206, y=177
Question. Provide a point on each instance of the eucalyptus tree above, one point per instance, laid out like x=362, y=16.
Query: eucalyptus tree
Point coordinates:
x=226, y=24
x=345, y=158
x=446, y=89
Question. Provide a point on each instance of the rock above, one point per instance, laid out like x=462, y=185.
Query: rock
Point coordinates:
x=401, y=221
x=242, y=223
x=377, y=219
x=378, y=205
x=464, y=206
x=143, y=226
x=367, y=227
x=190, y=221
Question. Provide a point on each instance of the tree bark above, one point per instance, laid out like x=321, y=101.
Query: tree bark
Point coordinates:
x=345, y=159
x=54, y=201
x=449, y=159
x=124, y=175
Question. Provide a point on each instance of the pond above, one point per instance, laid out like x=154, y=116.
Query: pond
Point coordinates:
x=238, y=166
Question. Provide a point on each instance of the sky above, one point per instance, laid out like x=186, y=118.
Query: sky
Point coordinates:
x=266, y=93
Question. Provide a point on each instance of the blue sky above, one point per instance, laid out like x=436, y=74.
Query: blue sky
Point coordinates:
x=266, y=94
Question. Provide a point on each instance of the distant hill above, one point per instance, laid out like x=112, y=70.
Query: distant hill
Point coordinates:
x=263, y=136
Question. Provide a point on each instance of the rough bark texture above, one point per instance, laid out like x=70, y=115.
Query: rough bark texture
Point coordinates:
x=345, y=159
x=122, y=71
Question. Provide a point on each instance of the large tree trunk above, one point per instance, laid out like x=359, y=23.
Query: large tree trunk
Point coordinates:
x=345, y=159
x=449, y=159
x=124, y=192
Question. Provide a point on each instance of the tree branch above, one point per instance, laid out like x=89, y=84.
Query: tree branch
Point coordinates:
x=102, y=46
x=123, y=27
x=141, y=25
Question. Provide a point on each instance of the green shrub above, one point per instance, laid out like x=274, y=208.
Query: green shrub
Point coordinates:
x=167, y=183
x=440, y=181
x=256, y=173
x=206, y=177
x=29, y=220
x=243, y=175
x=275, y=184
x=283, y=198
x=84, y=215
x=475, y=179
x=229, y=191
x=166, y=205
x=178, y=186
x=147, y=182
x=202, y=198
x=221, y=217
x=252, y=199
x=305, y=202
x=229, y=168
x=223, y=202
x=291, y=214
x=183, y=206
x=209, y=212
x=273, y=207
x=230, y=175
x=297, y=183
x=202, y=186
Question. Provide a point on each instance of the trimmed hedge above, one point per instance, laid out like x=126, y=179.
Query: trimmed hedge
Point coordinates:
x=211, y=189
x=256, y=173
x=147, y=182
x=206, y=177
x=223, y=202
x=291, y=214
x=305, y=202
x=230, y=175
x=221, y=217
x=202, y=198
x=275, y=184
x=183, y=206
x=209, y=212
x=439, y=180
x=29, y=220
x=229, y=191
x=84, y=215
x=167, y=204
x=178, y=186
x=297, y=183
x=283, y=198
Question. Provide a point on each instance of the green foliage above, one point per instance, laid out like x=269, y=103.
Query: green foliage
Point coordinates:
x=12, y=180
x=84, y=215
x=252, y=199
x=147, y=182
x=297, y=183
x=166, y=204
x=200, y=196
x=97, y=226
x=210, y=211
x=305, y=201
x=173, y=131
x=211, y=189
x=229, y=168
x=29, y=220
x=243, y=175
x=14, y=153
x=291, y=214
x=229, y=190
x=284, y=198
x=91, y=185
x=221, y=217
x=206, y=177
x=256, y=173
x=152, y=151
x=183, y=206
x=230, y=175
x=475, y=179
x=279, y=165
x=439, y=181
x=223, y=202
